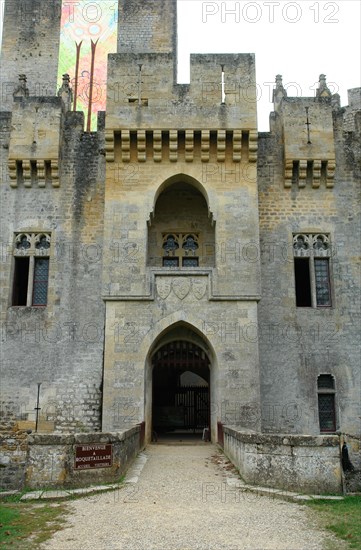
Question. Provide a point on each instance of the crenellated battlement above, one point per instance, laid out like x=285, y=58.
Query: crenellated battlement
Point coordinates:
x=213, y=118
x=307, y=134
x=221, y=93
x=35, y=140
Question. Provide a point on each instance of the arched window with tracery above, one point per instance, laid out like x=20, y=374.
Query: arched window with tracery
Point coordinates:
x=31, y=269
x=312, y=253
x=181, y=231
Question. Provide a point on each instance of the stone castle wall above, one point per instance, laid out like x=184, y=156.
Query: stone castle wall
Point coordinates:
x=61, y=345
x=105, y=198
x=302, y=464
x=298, y=344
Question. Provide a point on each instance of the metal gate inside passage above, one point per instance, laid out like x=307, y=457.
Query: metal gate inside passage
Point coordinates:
x=181, y=388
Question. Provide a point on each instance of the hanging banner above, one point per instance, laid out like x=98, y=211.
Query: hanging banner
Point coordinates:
x=85, y=21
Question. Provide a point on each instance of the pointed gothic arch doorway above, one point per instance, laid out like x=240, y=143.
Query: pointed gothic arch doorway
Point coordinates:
x=181, y=389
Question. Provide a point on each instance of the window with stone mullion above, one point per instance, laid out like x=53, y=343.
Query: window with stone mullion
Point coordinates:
x=31, y=269
x=312, y=270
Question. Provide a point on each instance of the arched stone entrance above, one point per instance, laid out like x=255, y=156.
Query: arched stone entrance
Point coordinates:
x=180, y=383
x=181, y=389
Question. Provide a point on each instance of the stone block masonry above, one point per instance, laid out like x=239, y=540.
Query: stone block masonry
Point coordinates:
x=51, y=459
x=297, y=463
x=27, y=49
x=45, y=340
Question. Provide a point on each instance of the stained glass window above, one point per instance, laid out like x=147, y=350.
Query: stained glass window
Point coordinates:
x=81, y=22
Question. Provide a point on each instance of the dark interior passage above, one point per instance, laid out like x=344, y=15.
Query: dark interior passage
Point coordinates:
x=181, y=379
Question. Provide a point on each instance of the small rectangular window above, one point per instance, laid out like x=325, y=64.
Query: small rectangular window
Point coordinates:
x=326, y=412
x=170, y=262
x=21, y=280
x=322, y=274
x=303, y=283
x=190, y=261
x=326, y=402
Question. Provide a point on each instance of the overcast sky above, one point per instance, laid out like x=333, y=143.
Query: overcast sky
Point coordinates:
x=299, y=40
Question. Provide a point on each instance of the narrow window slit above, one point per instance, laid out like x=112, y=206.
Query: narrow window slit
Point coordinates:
x=223, y=87
x=309, y=175
x=296, y=172
x=19, y=171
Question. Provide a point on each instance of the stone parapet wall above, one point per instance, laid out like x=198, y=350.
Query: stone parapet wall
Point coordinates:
x=302, y=463
x=51, y=458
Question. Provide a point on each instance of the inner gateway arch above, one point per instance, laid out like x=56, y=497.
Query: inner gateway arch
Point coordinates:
x=179, y=382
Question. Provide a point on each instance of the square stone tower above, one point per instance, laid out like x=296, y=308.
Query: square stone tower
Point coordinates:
x=30, y=45
x=181, y=276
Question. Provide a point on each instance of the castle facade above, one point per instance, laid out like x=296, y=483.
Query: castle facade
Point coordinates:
x=176, y=267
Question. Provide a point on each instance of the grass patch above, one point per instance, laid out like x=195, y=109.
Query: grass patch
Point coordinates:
x=24, y=525
x=342, y=517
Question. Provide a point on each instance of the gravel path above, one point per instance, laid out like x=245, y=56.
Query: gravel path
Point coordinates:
x=186, y=498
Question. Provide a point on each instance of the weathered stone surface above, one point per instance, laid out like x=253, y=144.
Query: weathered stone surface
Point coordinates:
x=296, y=463
x=26, y=48
x=52, y=463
